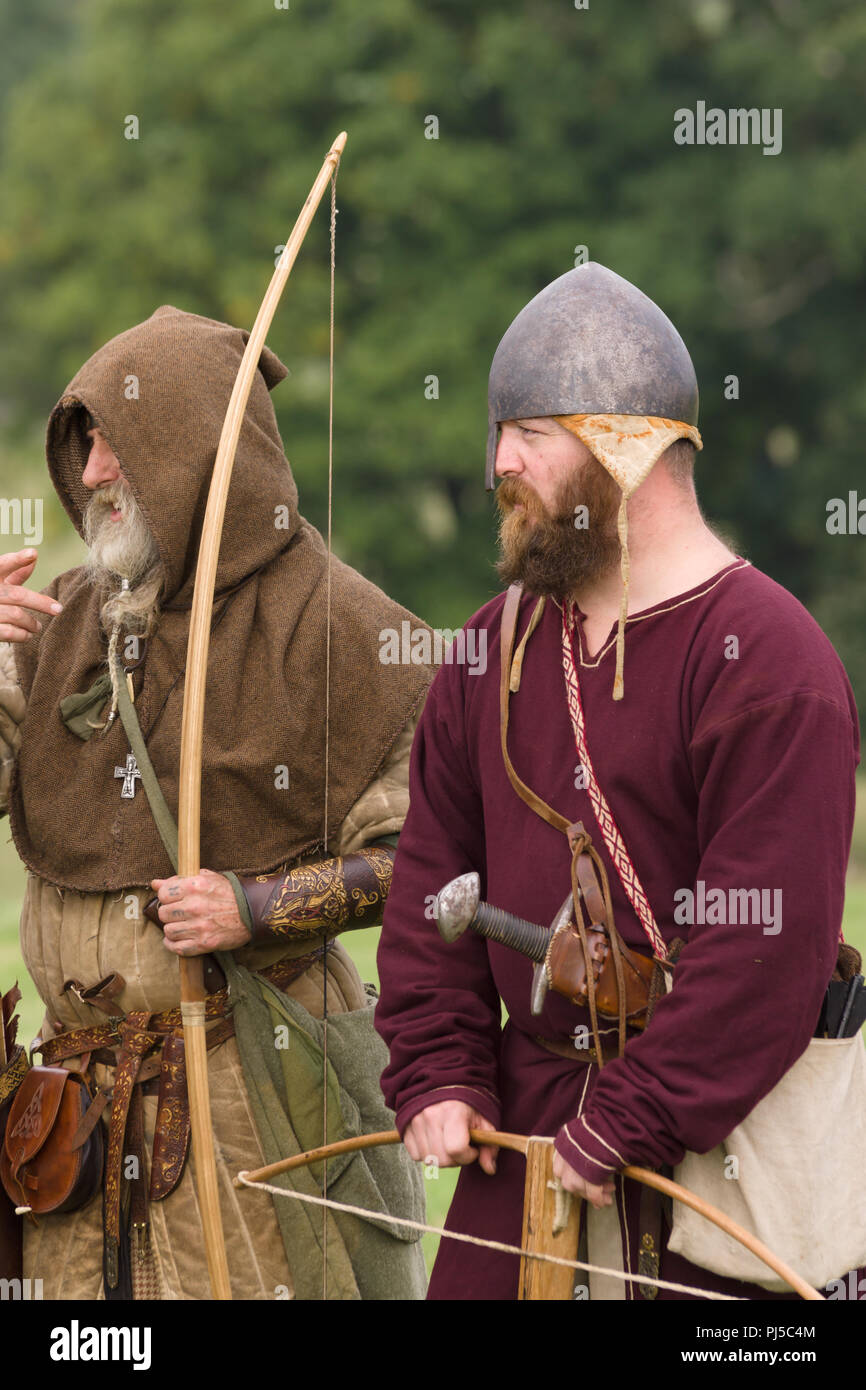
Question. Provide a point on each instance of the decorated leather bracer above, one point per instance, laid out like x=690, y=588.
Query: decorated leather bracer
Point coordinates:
x=325, y=898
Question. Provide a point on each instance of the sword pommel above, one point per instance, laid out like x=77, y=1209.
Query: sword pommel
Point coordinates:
x=457, y=905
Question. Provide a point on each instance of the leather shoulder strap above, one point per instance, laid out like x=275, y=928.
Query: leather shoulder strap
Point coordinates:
x=507, y=633
x=165, y=822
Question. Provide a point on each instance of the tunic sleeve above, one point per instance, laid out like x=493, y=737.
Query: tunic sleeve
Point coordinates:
x=12, y=706
x=381, y=808
x=775, y=814
x=439, y=1010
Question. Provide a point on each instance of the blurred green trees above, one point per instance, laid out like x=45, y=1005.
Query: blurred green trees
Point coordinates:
x=555, y=132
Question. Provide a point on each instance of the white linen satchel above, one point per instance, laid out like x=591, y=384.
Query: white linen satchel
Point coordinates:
x=792, y=1172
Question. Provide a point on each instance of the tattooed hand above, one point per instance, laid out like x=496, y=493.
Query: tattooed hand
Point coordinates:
x=199, y=914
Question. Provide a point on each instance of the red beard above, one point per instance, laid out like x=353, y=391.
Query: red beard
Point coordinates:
x=559, y=552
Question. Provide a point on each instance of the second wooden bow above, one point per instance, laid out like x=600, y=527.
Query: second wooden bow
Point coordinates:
x=540, y=1235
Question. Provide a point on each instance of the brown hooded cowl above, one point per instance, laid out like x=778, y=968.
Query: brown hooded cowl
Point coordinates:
x=265, y=698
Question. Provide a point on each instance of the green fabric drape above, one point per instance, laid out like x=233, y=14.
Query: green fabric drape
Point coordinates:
x=281, y=1051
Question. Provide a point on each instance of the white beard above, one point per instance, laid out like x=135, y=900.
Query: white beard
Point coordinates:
x=124, y=559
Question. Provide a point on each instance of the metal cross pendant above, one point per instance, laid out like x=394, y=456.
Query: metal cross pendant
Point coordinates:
x=129, y=774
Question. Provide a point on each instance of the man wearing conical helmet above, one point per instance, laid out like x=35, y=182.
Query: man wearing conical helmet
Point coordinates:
x=664, y=737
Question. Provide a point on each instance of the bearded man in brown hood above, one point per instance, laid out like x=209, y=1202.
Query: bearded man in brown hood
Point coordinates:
x=130, y=448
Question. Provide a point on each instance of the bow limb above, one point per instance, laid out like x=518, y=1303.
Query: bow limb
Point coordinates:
x=520, y=1143
x=757, y=1247
x=370, y=1141
x=192, y=991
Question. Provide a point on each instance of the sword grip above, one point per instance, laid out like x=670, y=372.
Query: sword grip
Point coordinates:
x=498, y=925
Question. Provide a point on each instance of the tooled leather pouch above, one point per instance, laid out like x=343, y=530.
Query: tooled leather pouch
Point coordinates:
x=45, y=1163
x=567, y=966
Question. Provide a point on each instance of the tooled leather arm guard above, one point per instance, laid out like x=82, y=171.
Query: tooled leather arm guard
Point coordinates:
x=331, y=896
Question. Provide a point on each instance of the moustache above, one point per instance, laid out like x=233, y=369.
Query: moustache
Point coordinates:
x=117, y=495
x=513, y=492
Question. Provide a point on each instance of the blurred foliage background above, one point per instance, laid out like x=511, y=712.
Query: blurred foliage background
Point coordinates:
x=555, y=132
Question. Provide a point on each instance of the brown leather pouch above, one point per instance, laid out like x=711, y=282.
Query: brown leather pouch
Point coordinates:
x=566, y=964
x=11, y=1076
x=45, y=1163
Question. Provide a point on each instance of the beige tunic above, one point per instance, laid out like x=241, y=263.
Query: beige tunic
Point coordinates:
x=84, y=936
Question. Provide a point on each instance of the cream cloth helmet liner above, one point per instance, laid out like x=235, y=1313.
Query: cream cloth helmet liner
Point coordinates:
x=627, y=446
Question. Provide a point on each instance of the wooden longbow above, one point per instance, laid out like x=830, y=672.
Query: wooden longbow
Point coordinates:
x=192, y=991
x=532, y=1287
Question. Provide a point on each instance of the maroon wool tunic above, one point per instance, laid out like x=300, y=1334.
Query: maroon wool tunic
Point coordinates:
x=734, y=771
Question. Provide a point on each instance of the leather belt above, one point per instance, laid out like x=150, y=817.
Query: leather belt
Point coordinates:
x=587, y=1055
x=147, y=1050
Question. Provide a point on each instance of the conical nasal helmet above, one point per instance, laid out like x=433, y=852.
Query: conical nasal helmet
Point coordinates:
x=592, y=344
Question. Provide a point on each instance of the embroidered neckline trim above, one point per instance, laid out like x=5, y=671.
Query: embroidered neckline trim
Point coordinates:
x=655, y=612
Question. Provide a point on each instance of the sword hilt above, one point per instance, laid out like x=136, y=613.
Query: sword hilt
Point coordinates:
x=459, y=908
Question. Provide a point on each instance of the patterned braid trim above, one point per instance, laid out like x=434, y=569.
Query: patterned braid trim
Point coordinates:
x=602, y=812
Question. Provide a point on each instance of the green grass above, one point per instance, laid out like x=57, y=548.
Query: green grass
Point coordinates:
x=362, y=946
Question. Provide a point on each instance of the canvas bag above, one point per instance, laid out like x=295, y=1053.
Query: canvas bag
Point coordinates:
x=799, y=1152
x=799, y=1185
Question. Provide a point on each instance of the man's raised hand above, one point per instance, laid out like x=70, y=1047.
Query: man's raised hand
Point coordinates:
x=17, y=604
x=441, y=1133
